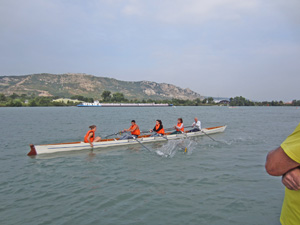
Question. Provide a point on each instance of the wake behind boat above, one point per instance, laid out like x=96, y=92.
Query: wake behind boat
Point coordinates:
x=76, y=146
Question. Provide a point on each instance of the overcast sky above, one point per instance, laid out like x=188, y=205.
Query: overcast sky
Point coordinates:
x=215, y=47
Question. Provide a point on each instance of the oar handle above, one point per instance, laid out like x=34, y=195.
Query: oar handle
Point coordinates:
x=166, y=129
x=144, y=132
x=148, y=131
x=113, y=134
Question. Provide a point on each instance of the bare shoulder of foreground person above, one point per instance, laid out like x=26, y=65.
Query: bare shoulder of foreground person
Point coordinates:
x=285, y=161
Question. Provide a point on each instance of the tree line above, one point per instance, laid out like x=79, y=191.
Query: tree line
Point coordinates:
x=16, y=100
x=241, y=101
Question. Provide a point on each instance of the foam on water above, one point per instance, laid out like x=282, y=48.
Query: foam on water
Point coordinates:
x=170, y=148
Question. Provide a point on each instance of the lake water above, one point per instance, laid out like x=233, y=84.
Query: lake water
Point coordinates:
x=213, y=183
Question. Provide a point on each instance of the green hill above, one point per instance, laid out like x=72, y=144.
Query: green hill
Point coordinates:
x=67, y=85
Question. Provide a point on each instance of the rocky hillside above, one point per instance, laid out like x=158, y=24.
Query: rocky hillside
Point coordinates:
x=67, y=85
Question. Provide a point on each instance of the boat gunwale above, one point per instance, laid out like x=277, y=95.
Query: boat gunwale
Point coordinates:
x=117, y=139
x=140, y=137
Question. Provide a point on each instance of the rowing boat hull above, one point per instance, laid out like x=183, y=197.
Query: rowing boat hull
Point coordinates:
x=76, y=146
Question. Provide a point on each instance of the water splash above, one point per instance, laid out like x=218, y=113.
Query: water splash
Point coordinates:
x=170, y=148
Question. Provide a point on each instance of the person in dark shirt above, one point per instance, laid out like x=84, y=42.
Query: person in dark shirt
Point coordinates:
x=158, y=129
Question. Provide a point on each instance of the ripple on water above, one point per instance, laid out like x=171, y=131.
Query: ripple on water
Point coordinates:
x=213, y=183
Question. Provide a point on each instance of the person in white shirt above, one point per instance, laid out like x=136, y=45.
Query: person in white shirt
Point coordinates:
x=196, y=125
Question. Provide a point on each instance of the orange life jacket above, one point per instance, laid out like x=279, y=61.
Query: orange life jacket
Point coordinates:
x=135, y=132
x=161, y=131
x=86, y=137
x=179, y=125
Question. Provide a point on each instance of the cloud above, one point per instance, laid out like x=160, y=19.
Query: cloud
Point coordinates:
x=133, y=8
x=189, y=11
x=290, y=9
x=193, y=11
x=230, y=45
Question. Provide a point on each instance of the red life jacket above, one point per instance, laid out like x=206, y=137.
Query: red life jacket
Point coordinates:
x=161, y=131
x=86, y=137
x=179, y=125
x=135, y=132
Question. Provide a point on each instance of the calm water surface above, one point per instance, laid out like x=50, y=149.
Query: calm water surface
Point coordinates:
x=214, y=183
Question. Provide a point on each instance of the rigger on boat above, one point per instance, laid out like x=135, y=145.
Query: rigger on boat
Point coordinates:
x=111, y=142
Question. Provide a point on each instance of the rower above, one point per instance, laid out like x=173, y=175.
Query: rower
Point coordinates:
x=179, y=127
x=196, y=125
x=90, y=136
x=134, y=129
x=159, y=129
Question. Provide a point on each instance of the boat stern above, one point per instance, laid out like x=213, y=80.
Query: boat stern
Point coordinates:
x=32, y=150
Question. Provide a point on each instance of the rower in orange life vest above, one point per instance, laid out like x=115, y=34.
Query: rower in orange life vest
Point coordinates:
x=159, y=129
x=90, y=136
x=179, y=127
x=134, y=129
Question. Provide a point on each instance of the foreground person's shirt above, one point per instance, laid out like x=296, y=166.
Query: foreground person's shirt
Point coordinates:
x=290, y=213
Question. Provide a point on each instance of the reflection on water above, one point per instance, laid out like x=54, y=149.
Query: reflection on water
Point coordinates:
x=91, y=155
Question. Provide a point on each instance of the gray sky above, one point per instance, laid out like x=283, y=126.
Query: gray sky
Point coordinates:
x=215, y=47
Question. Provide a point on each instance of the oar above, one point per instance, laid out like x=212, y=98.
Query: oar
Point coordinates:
x=164, y=137
x=185, y=149
x=119, y=132
x=208, y=136
x=166, y=129
x=142, y=144
x=147, y=131
x=169, y=129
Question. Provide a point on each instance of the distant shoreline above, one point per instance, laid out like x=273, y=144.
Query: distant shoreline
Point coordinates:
x=118, y=100
x=98, y=104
